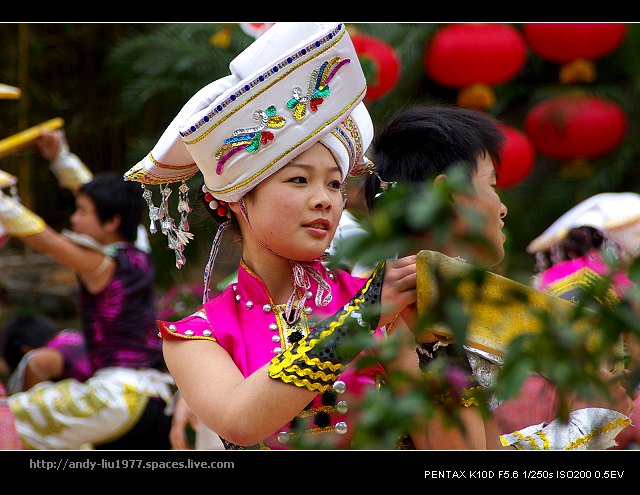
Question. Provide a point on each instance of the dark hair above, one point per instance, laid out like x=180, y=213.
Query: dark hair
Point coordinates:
x=21, y=331
x=418, y=143
x=113, y=196
x=580, y=240
x=577, y=242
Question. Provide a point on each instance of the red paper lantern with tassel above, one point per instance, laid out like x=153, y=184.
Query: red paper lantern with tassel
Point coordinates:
x=575, y=126
x=473, y=58
x=380, y=63
x=574, y=45
x=516, y=159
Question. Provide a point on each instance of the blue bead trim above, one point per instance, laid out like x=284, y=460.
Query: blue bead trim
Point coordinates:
x=263, y=77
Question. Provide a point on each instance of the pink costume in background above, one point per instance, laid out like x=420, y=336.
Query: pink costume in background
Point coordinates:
x=9, y=438
x=118, y=322
x=74, y=351
x=244, y=320
x=567, y=279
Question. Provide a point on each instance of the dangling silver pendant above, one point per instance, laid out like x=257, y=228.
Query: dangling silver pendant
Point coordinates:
x=183, y=206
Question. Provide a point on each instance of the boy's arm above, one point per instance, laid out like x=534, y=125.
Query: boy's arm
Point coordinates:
x=94, y=268
x=70, y=171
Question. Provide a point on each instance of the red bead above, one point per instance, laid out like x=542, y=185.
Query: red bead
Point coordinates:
x=222, y=211
x=208, y=197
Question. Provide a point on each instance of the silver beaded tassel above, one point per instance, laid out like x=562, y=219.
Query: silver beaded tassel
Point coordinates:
x=177, y=237
x=183, y=206
x=208, y=270
x=154, y=211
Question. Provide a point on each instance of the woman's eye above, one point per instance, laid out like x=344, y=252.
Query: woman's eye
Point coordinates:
x=336, y=184
x=298, y=180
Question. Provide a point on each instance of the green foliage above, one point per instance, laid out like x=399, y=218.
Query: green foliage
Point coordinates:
x=571, y=360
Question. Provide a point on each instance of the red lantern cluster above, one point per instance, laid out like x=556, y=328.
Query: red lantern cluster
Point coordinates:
x=380, y=63
x=475, y=57
x=575, y=126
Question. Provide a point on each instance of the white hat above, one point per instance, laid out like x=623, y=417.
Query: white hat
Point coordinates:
x=297, y=84
x=615, y=214
x=287, y=90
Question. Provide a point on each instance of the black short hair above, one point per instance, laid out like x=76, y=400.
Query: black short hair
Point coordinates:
x=113, y=196
x=425, y=140
x=21, y=331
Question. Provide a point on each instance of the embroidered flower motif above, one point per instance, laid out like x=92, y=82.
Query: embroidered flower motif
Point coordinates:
x=250, y=138
x=317, y=90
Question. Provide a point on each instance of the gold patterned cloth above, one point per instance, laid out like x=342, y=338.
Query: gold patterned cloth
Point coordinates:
x=70, y=414
x=591, y=428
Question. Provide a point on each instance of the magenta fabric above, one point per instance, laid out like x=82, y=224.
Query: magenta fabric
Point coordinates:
x=9, y=438
x=119, y=322
x=244, y=332
x=71, y=344
x=591, y=262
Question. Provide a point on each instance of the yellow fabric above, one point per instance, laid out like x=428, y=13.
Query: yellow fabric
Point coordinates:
x=17, y=220
x=499, y=309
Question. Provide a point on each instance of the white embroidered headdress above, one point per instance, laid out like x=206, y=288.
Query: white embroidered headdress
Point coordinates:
x=297, y=84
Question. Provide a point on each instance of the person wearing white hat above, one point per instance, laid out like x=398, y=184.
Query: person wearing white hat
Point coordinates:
x=261, y=364
x=595, y=241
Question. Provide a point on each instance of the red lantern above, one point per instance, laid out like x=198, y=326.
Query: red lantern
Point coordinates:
x=517, y=157
x=473, y=58
x=575, y=126
x=574, y=45
x=380, y=64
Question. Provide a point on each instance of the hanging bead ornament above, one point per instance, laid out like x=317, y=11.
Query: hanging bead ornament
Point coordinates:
x=166, y=222
x=183, y=206
x=300, y=276
x=208, y=270
x=154, y=211
x=177, y=237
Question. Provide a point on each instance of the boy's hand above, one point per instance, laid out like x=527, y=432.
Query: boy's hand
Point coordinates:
x=49, y=144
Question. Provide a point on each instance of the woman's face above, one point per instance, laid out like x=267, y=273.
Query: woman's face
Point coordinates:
x=487, y=202
x=295, y=212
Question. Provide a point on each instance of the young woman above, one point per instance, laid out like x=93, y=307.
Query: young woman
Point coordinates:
x=264, y=364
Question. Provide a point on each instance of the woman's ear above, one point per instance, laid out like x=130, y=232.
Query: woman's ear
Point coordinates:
x=235, y=207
